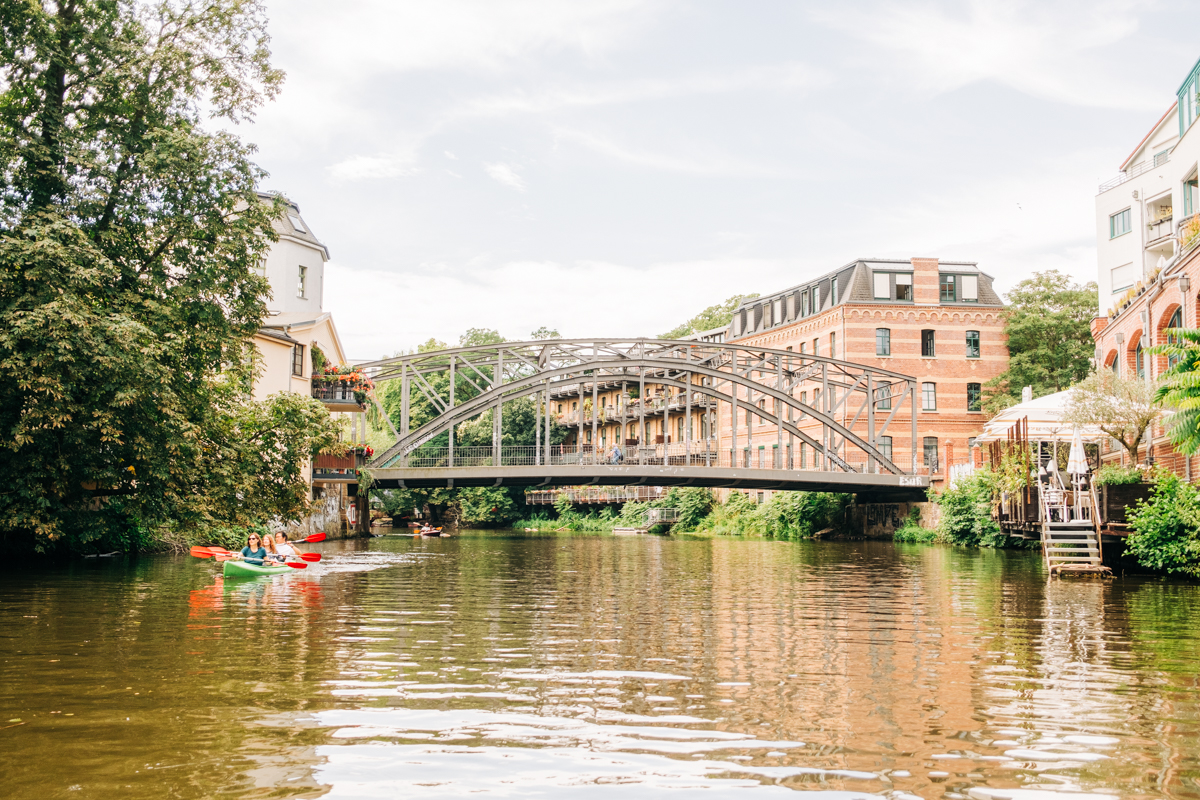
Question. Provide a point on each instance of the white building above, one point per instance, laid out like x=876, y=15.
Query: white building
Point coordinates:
x=296, y=324
x=1141, y=211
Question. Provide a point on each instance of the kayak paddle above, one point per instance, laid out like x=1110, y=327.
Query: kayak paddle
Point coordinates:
x=316, y=537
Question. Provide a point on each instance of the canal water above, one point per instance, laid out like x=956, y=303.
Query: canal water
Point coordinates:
x=503, y=664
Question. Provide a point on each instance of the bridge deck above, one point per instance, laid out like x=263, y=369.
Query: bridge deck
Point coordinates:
x=877, y=487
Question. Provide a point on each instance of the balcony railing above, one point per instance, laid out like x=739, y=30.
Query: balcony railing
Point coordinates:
x=334, y=393
x=1135, y=170
x=633, y=409
x=1162, y=229
x=331, y=467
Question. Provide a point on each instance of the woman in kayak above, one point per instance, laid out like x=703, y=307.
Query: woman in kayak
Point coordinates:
x=254, y=552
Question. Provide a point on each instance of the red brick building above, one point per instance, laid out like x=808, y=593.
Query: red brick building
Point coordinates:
x=939, y=322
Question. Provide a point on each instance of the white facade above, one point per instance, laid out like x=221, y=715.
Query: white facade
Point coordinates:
x=295, y=266
x=1140, y=212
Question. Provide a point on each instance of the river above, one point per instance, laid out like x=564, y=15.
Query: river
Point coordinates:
x=505, y=664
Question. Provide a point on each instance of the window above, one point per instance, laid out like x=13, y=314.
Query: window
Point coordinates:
x=1190, y=206
x=1176, y=321
x=1119, y=224
x=804, y=303
x=833, y=298
x=816, y=403
x=1139, y=360
x=972, y=344
x=974, y=397
x=802, y=348
x=575, y=406
x=816, y=347
x=883, y=398
x=1123, y=277
x=949, y=286
x=762, y=406
x=929, y=397
x=883, y=342
x=927, y=345
x=803, y=401
x=298, y=359
x=883, y=286
x=560, y=408
x=893, y=286
x=968, y=288
x=833, y=345
x=803, y=456
x=297, y=224
x=930, y=446
x=303, y=279
x=1116, y=365
x=884, y=445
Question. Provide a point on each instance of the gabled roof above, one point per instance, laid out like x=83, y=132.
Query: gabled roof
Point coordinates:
x=1146, y=138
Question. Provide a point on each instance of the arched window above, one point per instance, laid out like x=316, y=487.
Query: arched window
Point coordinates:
x=1176, y=321
x=1139, y=361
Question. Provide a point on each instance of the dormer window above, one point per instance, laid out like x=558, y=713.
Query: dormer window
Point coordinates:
x=893, y=286
x=297, y=224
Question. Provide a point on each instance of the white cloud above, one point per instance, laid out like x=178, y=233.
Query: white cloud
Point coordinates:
x=369, y=36
x=505, y=174
x=517, y=297
x=696, y=159
x=357, y=168
x=1050, y=50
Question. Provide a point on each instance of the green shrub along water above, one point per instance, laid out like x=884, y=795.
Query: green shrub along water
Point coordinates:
x=1113, y=475
x=787, y=515
x=966, y=517
x=1166, y=528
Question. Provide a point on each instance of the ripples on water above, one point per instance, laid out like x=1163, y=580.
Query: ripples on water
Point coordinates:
x=516, y=666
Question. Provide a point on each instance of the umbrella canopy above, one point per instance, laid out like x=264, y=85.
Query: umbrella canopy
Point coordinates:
x=1077, y=461
x=1045, y=419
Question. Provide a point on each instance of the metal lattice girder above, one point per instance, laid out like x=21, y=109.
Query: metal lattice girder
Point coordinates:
x=511, y=370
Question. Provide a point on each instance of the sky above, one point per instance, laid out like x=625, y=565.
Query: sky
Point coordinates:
x=612, y=167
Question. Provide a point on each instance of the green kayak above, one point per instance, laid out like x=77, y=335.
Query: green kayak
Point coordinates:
x=241, y=569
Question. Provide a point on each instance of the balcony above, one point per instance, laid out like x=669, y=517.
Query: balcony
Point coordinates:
x=337, y=469
x=1160, y=230
x=336, y=396
x=1135, y=170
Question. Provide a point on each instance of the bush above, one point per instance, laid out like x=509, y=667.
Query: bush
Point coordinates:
x=911, y=530
x=787, y=515
x=1167, y=527
x=967, y=513
x=1113, y=475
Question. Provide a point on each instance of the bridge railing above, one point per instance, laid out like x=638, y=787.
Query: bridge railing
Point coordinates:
x=682, y=454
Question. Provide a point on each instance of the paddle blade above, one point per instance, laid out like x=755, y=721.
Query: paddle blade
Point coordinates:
x=316, y=537
x=313, y=557
x=200, y=552
x=294, y=565
x=218, y=550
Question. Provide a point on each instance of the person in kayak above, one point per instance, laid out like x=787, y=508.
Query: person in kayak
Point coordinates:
x=254, y=552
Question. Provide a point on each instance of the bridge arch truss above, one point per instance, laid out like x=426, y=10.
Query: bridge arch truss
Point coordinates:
x=856, y=408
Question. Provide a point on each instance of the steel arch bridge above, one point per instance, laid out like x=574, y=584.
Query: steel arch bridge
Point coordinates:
x=853, y=407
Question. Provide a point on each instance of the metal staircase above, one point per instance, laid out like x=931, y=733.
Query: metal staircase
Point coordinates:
x=1070, y=535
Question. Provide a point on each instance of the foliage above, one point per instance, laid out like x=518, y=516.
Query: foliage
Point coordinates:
x=545, y=333
x=787, y=515
x=1121, y=407
x=129, y=239
x=967, y=512
x=716, y=316
x=1015, y=470
x=1114, y=475
x=318, y=360
x=1179, y=388
x=1166, y=529
x=912, y=531
x=693, y=504
x=474, y=337
x=1048, y=326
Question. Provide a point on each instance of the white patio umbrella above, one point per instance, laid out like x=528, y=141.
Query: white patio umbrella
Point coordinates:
x=1077, y=465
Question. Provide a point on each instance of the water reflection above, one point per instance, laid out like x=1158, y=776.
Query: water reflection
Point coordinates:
x=521, y=665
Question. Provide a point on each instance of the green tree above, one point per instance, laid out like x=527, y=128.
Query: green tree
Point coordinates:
x=129, y=238
x=1121, y=407
x=1166, y=529
x=1179, y=388
x=545, y=333
x=1050, y=347
x=712, y=317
